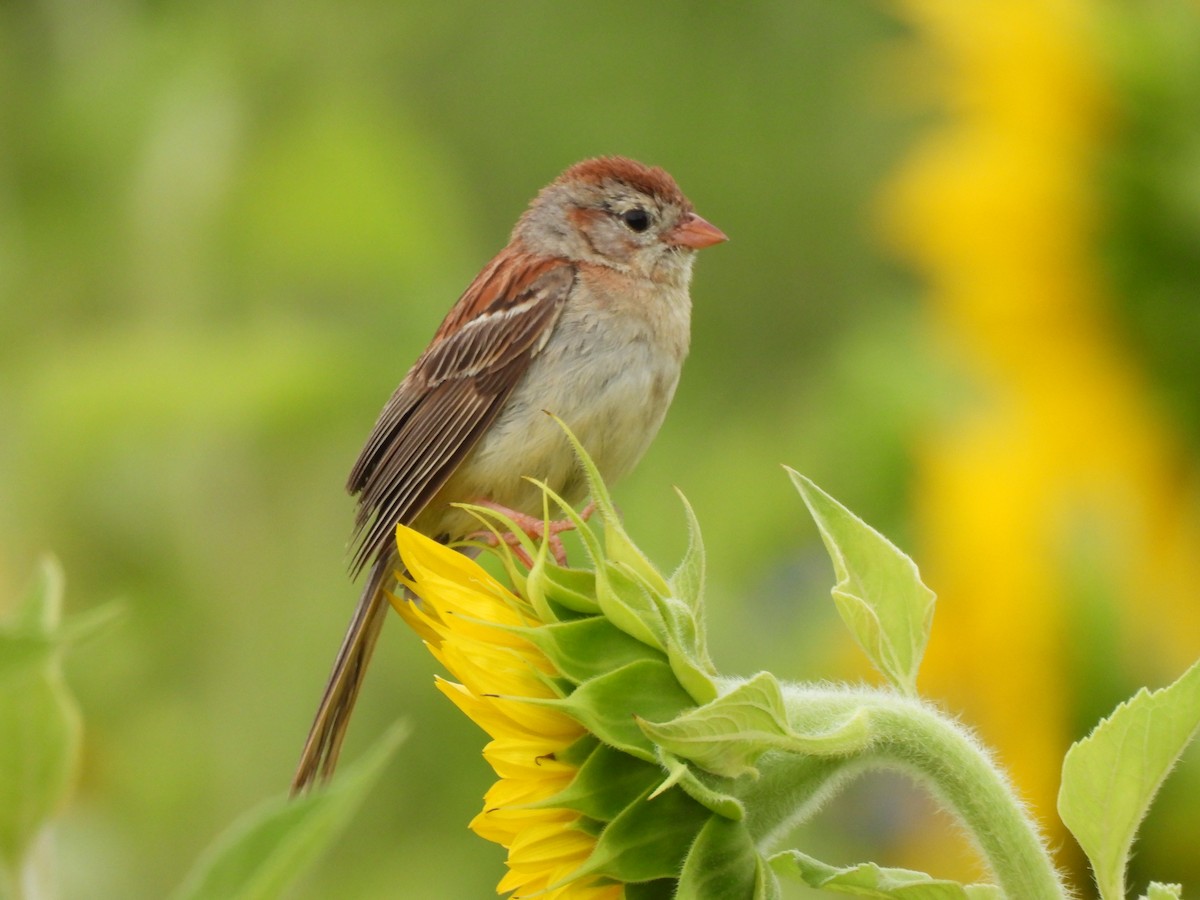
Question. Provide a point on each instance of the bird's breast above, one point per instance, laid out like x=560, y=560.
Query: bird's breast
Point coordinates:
x=609, y=371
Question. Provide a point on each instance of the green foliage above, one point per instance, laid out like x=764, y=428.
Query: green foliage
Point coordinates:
x=725, y=736
x=272, y=846
x=648, y=839
x=674, y=616
x=604, y=704
x=584, y=649
x=879, y=591
x=1111, y=776
x=40, y=727
x=725, y=863
x=870, y=880
x=607, y=778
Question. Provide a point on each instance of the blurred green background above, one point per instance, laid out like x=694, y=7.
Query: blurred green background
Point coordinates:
x=227, y=229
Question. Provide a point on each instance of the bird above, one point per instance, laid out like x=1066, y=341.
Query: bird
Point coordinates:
x=585, y=314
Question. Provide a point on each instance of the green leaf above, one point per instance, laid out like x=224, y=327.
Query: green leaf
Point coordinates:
x=84, y=626
x=605, y=507
x=606, y=706
x=1111, y=776
x=40, y=727
x=618, y=546
x=269, y=847
x=879, y=593
x=40, y=611
x=685, y=651
x=870, y=880
x=687, y=581
x=584, y=649
x=628, y=603
x=659, y=889
x=648, y=840
x=574, y=589
x=29, y=644
x=620, y=550
x=606, y=783
x=502, y=528
x=726, y=736
x=722, y=864
x=1158, y=891
x=689, y=781
x=21, y=651
x=766, y=884
x=682, y=610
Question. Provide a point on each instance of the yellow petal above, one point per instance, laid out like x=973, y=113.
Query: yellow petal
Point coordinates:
x=503, y=826
x=519, y=758
x=429, y=561
x=519, y=792
x=480, y=711
x=543, y=845
x=418, y=619
x=486, y=669
x=540, y=720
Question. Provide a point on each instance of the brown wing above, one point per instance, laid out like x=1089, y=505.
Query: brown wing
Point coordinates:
x=453, y=393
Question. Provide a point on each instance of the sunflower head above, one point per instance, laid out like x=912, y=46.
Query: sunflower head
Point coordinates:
x=566, y=671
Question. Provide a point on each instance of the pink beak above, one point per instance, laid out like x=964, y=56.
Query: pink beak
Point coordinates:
x=694, y=232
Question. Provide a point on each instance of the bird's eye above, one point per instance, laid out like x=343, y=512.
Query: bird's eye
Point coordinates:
x=637, y=219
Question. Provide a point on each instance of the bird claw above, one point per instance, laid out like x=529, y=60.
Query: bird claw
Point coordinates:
x=533, y=527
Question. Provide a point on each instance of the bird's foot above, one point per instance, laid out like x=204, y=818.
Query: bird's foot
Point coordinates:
x=533, y=527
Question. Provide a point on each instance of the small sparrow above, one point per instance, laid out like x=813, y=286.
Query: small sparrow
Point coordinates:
x=584, y=314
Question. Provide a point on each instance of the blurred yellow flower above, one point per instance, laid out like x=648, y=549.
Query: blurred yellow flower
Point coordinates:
x=464, y=616
x=1052, y=499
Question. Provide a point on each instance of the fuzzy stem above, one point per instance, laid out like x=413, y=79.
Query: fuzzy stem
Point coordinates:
x=928, y=745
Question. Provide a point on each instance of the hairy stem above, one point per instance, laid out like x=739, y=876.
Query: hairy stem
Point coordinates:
x=915, y=738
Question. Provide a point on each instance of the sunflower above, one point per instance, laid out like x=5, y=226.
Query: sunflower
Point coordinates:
x=472, y=624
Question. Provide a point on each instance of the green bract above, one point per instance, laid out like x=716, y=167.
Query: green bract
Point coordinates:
x=40, y=728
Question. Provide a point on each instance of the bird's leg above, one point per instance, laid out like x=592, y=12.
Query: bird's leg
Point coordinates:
x=534, y=527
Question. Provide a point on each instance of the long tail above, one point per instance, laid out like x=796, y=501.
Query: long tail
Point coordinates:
x=324, y=743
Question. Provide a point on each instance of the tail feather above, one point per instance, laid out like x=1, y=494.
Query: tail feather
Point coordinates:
x=324, y=743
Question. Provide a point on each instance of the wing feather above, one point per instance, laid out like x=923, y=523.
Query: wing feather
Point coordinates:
x=453, y=393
